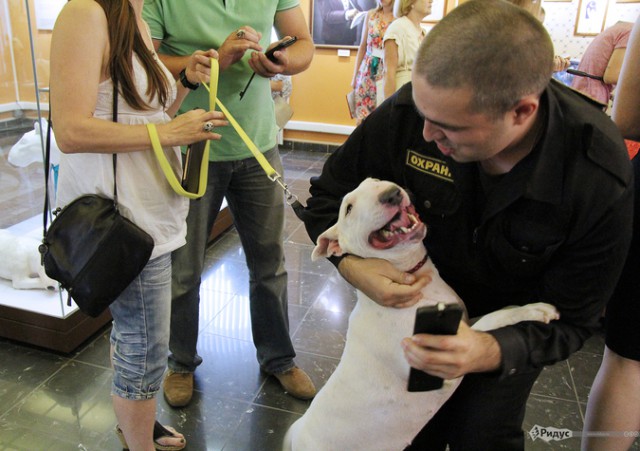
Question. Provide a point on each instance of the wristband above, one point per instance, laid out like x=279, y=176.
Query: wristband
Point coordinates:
x=185, y=82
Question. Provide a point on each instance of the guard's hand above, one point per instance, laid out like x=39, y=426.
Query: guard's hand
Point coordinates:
x=451, y=356
x=382, y=282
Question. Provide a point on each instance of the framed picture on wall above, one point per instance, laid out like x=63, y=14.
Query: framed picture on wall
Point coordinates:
x=591, y=17
x=338, y=23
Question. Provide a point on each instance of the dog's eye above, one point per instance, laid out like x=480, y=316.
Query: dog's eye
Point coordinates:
x=348, y=209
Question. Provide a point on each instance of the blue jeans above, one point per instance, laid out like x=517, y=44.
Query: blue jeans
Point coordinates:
x=257, y=206
x=140, y=332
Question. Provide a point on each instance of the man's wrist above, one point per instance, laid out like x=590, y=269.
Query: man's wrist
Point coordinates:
x=185, y=81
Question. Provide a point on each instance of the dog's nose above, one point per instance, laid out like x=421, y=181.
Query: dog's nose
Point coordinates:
x=391, y=196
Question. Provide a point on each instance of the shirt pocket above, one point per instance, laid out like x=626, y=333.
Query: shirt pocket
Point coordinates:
x=523, y=249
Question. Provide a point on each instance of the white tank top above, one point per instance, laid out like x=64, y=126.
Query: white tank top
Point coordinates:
x=144, y=195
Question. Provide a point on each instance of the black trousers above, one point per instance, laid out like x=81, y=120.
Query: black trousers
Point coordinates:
x=484, y=413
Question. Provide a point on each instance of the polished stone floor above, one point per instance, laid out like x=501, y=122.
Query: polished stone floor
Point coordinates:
x=50, y=401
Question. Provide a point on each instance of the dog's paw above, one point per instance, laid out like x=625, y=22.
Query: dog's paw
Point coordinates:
x=542, y=312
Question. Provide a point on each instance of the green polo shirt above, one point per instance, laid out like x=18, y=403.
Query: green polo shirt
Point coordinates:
x=185, y=27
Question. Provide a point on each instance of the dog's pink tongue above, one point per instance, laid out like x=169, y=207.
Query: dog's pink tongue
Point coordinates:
x=377, y=241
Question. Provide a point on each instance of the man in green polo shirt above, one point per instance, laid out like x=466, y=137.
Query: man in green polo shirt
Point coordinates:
x=240, y=32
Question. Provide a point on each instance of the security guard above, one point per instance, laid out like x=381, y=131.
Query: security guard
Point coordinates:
x=526, y=190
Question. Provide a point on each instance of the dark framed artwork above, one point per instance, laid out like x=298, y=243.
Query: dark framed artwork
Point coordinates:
x=338, y=23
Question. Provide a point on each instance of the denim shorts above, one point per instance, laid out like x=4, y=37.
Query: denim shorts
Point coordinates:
x=140, y=332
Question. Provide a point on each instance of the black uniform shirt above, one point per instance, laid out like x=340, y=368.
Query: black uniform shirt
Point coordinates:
x=555, y=229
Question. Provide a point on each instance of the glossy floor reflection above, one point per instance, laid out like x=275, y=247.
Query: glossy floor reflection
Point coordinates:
x=61, y=402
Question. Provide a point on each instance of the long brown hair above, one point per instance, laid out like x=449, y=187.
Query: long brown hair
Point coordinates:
x=124, y=40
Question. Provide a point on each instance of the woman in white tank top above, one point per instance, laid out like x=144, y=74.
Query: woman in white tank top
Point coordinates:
x=94, y=41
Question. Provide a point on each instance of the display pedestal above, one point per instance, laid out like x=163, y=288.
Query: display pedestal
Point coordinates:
x=59, y=334
x=43, y=318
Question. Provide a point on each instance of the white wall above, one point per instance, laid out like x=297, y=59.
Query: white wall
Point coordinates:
x=560, y=22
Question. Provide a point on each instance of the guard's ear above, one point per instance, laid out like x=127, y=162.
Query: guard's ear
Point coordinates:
x=328, y=244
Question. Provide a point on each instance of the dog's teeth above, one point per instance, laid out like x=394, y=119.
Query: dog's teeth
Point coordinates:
x=404, y=229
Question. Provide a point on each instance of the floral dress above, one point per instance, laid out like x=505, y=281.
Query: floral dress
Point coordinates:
x=371, y=69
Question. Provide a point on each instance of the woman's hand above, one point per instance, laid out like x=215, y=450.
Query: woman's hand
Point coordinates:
x=189, y=127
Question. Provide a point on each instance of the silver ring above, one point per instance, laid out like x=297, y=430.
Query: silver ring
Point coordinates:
x=240, y=34
x=207, y=127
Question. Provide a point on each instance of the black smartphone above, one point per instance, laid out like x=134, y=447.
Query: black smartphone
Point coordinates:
x=280, y=46
x=439, y=319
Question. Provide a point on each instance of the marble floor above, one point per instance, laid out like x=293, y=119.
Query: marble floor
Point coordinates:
x=52, y=401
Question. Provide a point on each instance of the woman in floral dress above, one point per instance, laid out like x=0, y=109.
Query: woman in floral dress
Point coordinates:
x=369, y=62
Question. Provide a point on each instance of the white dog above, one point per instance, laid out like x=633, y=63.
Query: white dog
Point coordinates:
x=365, y=404
x=20, y=262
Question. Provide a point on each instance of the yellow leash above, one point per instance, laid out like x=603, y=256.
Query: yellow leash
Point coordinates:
x=213, y=101
x=204, y=165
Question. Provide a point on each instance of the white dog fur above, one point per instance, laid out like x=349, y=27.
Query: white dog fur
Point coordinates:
x=365, y=404
x=20, y=262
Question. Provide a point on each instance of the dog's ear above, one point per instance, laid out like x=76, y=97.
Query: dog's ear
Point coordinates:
x=328, y=244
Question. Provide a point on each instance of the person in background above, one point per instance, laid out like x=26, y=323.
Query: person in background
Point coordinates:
x=603, y=58
x=614, y=400
x=484, y=140
x=401, y=42
x=369, y=69
x=93, y=44
x=560, y=63
x=625, y=112
x=281, y=88
x=240, y=33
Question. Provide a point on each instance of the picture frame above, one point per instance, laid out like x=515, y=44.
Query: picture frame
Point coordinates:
x=333, y=26
x=591, y=18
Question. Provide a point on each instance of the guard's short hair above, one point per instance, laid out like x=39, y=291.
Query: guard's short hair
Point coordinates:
x=498, y=50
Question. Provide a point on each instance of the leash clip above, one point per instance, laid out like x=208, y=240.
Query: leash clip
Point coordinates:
x=290, y=197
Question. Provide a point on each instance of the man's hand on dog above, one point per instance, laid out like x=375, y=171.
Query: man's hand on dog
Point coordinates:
x=451, y=356
x=382, y=282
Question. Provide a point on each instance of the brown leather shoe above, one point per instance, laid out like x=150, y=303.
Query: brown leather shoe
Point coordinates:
x=297, y=383
x=178, y=388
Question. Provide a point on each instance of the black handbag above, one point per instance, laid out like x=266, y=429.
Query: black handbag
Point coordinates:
x=90, y=249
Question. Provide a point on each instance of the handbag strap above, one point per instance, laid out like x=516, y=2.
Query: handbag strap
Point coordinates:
x=114, y=118
x=47, y=160
x=47, y=169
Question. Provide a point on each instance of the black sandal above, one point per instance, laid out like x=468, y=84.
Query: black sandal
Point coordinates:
x=159, y=431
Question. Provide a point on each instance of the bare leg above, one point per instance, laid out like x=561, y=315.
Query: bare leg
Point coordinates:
x=136, y=419
x=614, y=403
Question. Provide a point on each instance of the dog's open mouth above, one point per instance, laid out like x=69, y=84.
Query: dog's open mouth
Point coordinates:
x=404, y=226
